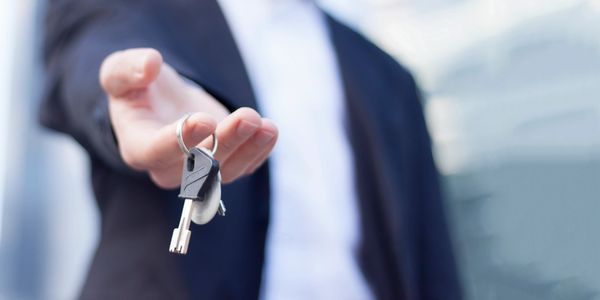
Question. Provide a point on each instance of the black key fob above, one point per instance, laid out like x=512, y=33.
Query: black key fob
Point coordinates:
x=199, y=173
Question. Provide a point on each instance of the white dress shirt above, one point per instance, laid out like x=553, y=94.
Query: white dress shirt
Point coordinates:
x=314, y=226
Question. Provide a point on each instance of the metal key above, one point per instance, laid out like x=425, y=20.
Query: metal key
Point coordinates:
x=200, y=189
x=181, y=235
x=200, y=172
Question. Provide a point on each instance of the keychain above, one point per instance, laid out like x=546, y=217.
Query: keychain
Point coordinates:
x=200, y=189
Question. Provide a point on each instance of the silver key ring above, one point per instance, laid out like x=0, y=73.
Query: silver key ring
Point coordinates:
x=179, y=133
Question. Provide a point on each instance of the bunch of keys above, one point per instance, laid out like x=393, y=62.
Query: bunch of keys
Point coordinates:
x=200, y=189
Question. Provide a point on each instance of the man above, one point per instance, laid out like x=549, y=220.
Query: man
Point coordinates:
x=349, y=206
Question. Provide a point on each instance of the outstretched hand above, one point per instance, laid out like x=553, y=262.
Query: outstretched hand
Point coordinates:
x=147, y=97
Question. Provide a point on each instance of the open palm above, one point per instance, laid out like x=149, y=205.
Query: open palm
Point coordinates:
x=147, y=97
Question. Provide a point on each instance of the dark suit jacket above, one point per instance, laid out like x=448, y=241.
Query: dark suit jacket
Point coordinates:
x=405, y=253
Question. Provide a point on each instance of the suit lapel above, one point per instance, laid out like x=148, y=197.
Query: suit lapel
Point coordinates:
x=210, y=53
x=381, y=213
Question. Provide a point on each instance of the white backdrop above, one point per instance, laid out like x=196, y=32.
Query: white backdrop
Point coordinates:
x=48, y=221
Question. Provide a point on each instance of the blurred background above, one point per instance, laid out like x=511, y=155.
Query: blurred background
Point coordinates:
x=512, y=101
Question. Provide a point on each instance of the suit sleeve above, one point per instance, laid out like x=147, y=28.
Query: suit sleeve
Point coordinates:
x=78, y=35
x=439, y=275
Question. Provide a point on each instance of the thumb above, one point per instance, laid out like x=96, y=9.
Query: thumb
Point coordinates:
x=128, y=70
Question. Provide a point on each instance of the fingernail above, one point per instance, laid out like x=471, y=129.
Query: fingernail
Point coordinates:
x=246, y=128
x=263, y=138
